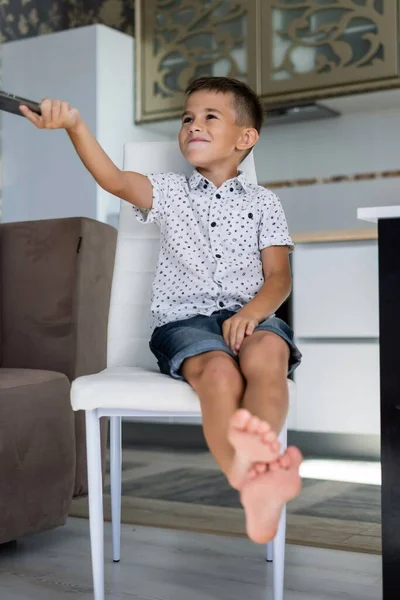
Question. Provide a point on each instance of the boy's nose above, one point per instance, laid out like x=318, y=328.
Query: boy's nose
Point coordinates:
x=195, y=127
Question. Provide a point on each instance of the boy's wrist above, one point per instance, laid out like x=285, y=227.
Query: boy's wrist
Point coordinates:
x=252, y=313
x=76, y=128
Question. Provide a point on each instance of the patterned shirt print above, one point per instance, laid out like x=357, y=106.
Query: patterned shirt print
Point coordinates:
x=210, y=243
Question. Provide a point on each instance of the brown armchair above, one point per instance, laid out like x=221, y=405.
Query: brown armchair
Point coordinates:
x=55, y=281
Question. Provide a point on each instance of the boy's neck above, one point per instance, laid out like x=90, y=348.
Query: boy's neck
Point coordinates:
x=219, y=175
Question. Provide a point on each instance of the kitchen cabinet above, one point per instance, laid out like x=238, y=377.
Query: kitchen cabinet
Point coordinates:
x=289, y=52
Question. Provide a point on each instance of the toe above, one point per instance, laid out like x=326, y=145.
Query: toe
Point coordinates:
x=270, y=436
x=264, y=427
x=253, y=425
x=276, y=446
x=241, y=419
x=252, y=474
x=260, y=468
x=294, y=455
x=274, y=466
x=284, y=461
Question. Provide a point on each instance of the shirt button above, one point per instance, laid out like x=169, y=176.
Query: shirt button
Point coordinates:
x=218, y=196
x=250, y=215
x=217, y=256
x=205, y=186
x=221, y=304
x=231, y=189
x=213, y=224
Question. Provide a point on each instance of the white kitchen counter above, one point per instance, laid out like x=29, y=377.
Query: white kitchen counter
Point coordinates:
x=374, y=213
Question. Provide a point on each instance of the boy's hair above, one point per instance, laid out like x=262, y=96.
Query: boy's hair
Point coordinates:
x=249, y=109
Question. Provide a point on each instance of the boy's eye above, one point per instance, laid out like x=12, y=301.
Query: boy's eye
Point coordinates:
x=186, y=120
x=211, y=116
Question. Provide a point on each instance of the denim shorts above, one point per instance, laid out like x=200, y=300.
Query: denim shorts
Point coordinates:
x=172, y=343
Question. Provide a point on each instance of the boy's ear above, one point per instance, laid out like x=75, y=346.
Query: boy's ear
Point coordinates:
x=248, y=138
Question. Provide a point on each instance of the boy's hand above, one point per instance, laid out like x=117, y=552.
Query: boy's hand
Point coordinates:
x=235, y=329
x=55, y=115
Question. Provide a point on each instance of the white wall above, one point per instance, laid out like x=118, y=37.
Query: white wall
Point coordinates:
x=115, y=97
x=93, y=69
x=359, y=141
x=351, y=143
x=43, y=177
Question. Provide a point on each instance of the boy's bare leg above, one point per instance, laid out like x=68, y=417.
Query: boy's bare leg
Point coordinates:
x=264, y=363
x=216, y=378
x=263, y=359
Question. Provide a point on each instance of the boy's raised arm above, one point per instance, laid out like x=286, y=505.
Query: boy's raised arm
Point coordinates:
x=128, y=185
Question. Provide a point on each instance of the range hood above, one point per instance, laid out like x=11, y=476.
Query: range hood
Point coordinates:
x=299, y=114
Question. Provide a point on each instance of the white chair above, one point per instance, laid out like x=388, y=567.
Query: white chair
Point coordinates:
x=132, y=386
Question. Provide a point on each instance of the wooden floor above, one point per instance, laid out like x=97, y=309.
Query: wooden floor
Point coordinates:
x=178, y=490
x=174, y=565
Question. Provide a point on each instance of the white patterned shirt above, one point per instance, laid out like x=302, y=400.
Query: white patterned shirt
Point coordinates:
x=210, y=243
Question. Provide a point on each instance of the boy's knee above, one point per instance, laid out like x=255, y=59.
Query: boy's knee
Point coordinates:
x=267, y=351
x=212, y=369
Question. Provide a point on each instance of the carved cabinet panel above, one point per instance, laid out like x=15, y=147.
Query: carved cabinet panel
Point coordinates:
x=179, y=40
x=321, y=47
x=288, y=51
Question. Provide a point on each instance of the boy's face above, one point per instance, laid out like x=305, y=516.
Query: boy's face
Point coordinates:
x=210, y=134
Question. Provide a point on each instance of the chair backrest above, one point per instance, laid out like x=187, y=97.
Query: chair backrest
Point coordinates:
x=136, y=259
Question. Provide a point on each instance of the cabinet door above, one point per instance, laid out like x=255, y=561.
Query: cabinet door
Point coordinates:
x=338, y=388
x=180, y=40
x=315, y=48
x=335, y=290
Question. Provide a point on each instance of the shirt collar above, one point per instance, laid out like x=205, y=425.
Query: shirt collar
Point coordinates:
x=196, y=179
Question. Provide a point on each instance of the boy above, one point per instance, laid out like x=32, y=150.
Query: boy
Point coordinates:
x=223, y=270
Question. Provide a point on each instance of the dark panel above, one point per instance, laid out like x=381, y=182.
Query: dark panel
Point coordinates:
x=389, y=322
x=285, y=311
x=27, y=18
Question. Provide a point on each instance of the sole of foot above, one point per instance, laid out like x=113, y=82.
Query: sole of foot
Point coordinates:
x=254, y=441
x=263, y=496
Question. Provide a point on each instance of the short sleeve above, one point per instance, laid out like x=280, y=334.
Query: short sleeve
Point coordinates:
x=160, y=183
x=273, y=229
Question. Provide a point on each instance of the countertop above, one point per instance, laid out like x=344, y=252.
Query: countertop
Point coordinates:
x=335, y=235
x=374, y=213
x=371, y=214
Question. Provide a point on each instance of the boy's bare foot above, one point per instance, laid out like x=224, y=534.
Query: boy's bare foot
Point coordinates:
x=254, y=441
x=263, y=496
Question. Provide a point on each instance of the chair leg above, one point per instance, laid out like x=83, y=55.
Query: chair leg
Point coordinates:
x=95, y=487
x=276, y=548
x=115, y=476
x=279, y=557
x=283, y=437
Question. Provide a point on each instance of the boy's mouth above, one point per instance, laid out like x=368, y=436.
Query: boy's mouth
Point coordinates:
x=198, y=140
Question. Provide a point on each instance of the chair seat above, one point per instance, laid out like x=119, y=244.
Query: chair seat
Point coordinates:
x=134, y=388
x=137, y=389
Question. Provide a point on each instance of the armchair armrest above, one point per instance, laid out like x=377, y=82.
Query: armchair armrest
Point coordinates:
x=55, y=290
